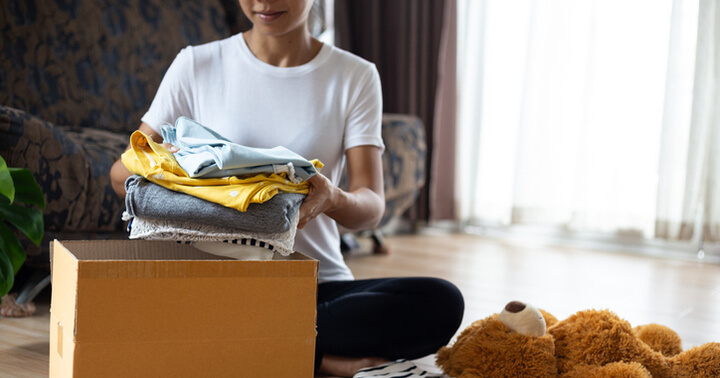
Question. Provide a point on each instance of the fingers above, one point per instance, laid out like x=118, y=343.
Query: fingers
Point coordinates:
x=304, y=220
x=170, y=147
x=313, y=204
x=302, y=223
x=308, y=210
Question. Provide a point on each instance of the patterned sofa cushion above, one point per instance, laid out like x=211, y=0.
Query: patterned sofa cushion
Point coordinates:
x=71, y=165
x=96, y=63
x=403, y=162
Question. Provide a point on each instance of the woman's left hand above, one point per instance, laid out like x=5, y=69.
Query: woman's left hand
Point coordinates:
x=319, y=199
x=361, y=206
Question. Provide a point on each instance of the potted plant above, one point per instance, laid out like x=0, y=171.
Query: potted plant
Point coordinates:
x=21, y=205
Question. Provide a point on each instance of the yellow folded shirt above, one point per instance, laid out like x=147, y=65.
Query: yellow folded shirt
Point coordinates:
x=154, y=162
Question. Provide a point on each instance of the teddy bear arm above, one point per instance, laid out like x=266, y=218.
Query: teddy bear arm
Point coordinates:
x=702, y=361
x=442, y=358
x=550, y=319
x=614, y=369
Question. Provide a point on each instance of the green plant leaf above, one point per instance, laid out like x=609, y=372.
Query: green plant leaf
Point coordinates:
x=10, y=245
x=7, y=188
x=7, y=277
x=26, y=189
x=28, y=220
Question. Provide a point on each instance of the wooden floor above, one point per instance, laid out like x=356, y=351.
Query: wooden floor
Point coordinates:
x=683, y=295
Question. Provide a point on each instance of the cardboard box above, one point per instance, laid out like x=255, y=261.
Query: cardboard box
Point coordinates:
x=159, y=309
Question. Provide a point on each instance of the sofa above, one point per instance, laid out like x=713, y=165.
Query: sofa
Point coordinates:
x=77, y=75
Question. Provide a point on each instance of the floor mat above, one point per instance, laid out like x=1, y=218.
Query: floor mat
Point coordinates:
x=396, y=369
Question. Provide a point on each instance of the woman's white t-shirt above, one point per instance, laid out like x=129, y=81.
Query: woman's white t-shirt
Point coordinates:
x=318, y=110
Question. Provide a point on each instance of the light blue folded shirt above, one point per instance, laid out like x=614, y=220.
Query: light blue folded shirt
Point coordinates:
x=204, y=154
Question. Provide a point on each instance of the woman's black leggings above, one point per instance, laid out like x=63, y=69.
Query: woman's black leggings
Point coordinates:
x=392, y=318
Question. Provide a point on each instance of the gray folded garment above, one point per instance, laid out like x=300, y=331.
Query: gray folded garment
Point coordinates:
x=149, y=200
x=190, y=232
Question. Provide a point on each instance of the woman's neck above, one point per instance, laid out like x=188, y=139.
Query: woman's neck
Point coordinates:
x=289, y=50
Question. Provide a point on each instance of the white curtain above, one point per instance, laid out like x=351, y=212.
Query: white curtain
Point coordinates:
x=591, y=115
x=689, y=192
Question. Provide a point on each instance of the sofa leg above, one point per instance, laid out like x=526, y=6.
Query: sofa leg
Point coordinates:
x=379, y=246
x=38, y=281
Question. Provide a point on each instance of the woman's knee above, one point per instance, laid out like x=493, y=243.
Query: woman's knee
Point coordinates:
x=444, y=305
x=451, y=300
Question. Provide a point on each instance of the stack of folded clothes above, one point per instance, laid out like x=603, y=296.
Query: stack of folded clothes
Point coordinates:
x=225, y=198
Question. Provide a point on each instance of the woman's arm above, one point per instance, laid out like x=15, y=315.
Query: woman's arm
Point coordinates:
x=118, y=172
x=359, y=208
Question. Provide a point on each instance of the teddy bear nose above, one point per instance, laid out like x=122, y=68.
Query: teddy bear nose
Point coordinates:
x=515, y=307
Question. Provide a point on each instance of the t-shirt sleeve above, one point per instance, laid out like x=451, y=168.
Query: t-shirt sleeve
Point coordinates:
x=174, y=97
x=364, y=125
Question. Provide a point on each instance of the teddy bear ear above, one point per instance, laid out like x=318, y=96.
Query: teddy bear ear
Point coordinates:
x=659, y=338
x=550, y=319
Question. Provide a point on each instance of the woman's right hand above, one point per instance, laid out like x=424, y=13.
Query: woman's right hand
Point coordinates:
x=119, y=173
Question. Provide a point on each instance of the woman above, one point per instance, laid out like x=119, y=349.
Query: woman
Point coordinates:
x=277, y=85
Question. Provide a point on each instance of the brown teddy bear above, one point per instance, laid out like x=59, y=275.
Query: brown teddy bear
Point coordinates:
x=523, y=341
